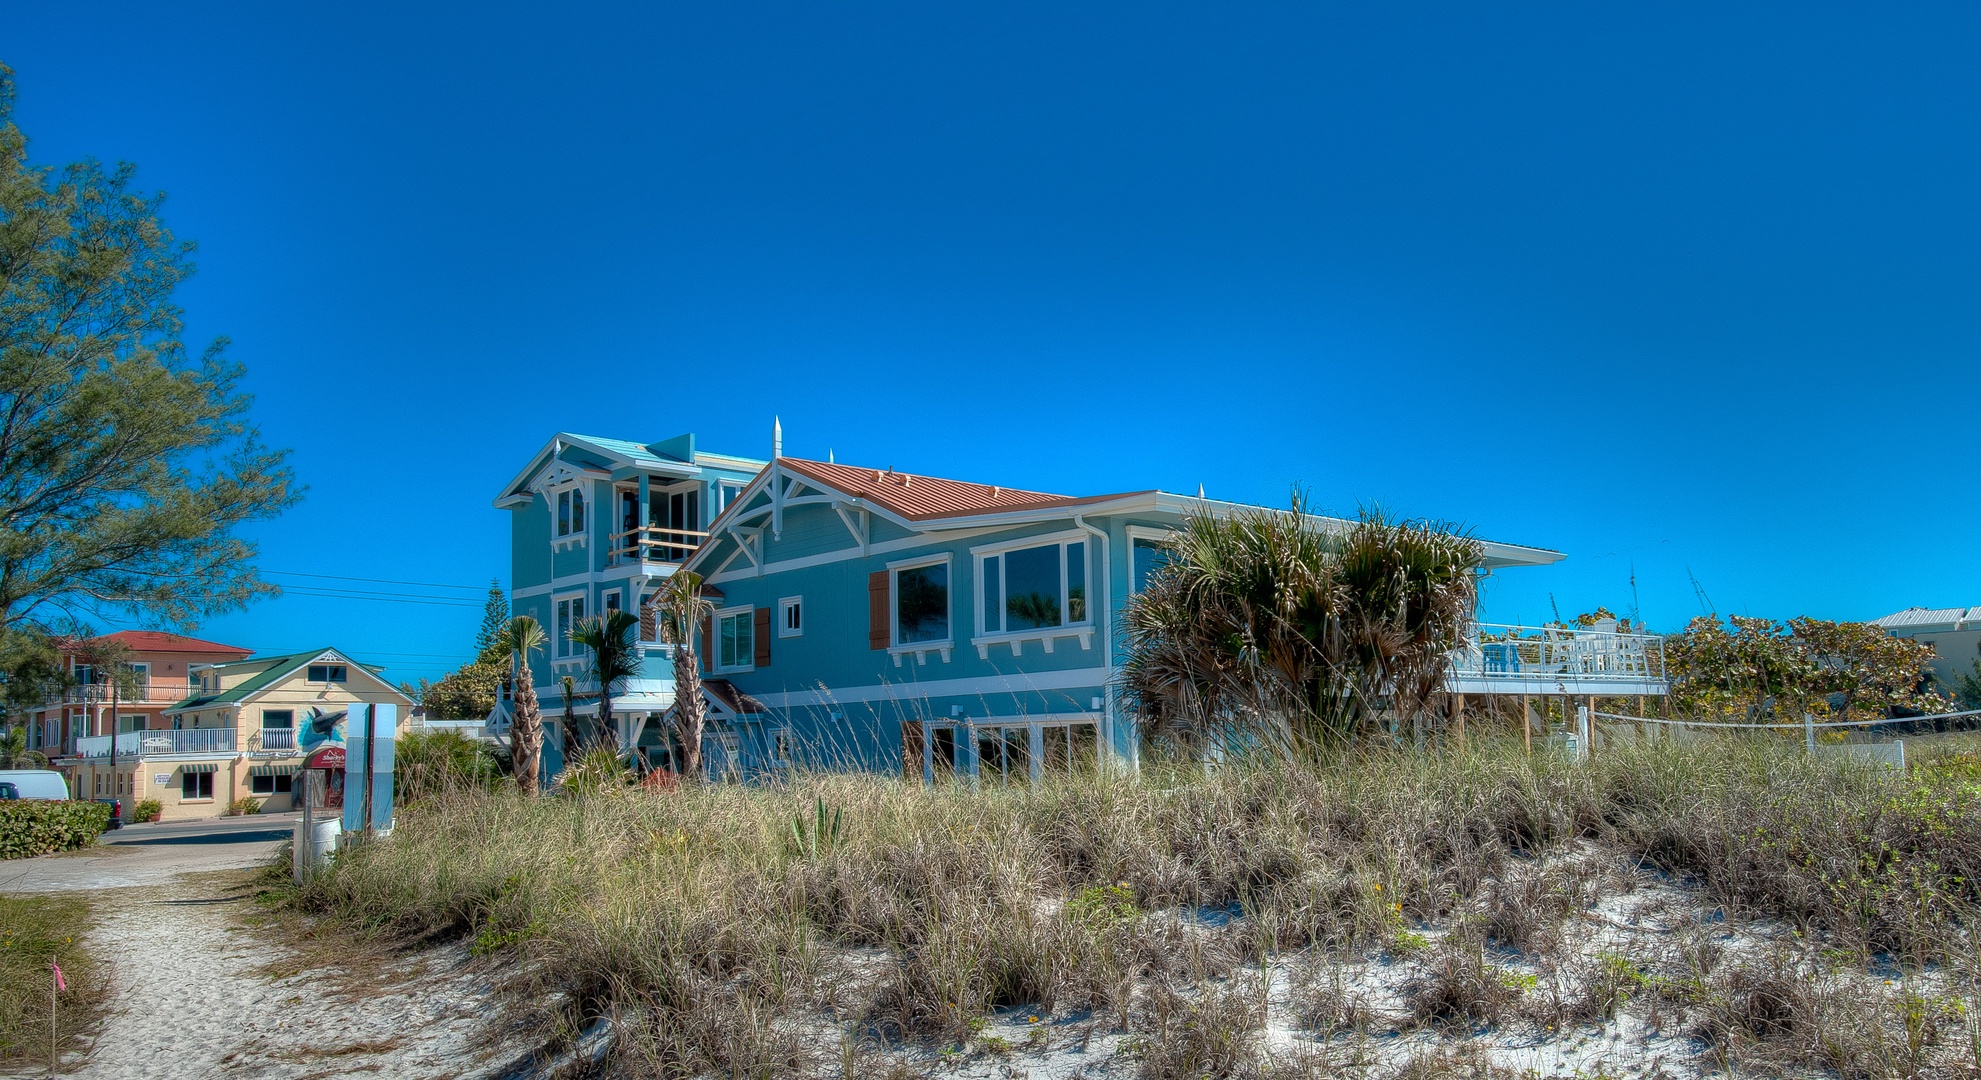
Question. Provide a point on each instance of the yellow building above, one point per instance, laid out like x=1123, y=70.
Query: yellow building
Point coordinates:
x=236, y=737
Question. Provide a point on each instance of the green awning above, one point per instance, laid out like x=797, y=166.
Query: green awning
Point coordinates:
x=272, y=770
x=207, y=766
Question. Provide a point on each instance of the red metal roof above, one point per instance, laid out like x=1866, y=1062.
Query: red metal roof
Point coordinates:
x=155, y=641
x=922, y=497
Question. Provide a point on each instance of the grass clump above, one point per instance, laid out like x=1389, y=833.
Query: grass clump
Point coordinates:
x=36, y=932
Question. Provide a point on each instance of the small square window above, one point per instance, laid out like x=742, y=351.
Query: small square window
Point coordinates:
x=791, y=617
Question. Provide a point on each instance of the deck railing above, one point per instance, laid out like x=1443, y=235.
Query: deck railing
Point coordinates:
x=652, y=543
x=1498, y=650
x=214, y=740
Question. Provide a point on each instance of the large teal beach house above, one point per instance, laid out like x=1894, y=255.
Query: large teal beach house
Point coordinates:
x=895, y=621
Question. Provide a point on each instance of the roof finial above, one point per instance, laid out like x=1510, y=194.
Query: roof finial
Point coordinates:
x=828, y=455
x=1200, y=489
x=776, y=437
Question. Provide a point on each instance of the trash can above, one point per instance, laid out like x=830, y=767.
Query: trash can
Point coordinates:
x=313, y=851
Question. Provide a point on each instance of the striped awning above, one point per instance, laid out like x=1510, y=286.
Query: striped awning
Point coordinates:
x=200, y=767
x=272, y=770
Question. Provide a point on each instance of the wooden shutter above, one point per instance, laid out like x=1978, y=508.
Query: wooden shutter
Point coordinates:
x=761, y=637
x=877, y=632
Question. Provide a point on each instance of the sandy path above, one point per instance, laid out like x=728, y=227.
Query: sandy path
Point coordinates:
x=189, y=999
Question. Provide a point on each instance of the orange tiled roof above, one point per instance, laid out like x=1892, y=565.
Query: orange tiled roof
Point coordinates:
x=153, y=641
x=923, y=497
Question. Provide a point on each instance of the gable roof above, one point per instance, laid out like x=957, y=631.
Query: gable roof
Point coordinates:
x=923, y=498
x=158, y=641
x=676, y=456
x=277, y=668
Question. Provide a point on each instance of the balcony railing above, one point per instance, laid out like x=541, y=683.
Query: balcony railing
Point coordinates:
x=1499, y=651
x=273, y=738
x=213, y=740
x=99, y=694
x=652, y=543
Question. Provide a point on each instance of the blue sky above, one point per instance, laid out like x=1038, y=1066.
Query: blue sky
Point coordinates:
x=1684, y=289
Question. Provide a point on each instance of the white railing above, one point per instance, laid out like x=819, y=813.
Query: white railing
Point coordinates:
x=1497, y=650
x=99, y=694
x=215, y=740
x=273, y=738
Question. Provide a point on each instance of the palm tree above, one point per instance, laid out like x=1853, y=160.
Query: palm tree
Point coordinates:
x=522, y=637
x=1273, y=628
x=570, y=687
x=683, y=610
x=609, y=639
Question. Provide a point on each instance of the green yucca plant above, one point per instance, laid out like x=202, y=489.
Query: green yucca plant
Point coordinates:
x=820, y=836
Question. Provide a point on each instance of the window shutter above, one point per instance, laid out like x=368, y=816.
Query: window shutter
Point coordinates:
x=877, y=610
x=761, y=637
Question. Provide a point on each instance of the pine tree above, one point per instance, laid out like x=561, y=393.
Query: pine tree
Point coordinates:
x=494, y=618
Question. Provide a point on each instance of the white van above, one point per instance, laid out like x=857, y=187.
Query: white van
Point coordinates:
x=32, y=784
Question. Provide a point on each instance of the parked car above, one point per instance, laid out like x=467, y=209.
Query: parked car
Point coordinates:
x=34, y=784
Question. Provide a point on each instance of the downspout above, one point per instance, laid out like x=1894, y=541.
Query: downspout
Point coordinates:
x=1133, y=751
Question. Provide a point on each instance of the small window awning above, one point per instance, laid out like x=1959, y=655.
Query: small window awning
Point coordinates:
x=272, y=770
x=200, y=767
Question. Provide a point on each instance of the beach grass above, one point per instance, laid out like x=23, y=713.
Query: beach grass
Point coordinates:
x=37, y=932
x=722, y=929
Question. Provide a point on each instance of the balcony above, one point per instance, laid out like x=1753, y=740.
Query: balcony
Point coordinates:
x=217, y=740
x=1503, y=659
x=99, y=694
x=652, y=543
x=273, y=738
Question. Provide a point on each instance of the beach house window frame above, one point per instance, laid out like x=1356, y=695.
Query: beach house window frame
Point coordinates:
x=571, y=512
x=566, y=611
x=991, y=563
x=1138, y=536
x=742, y=650
x=327, y=674
x=944, y=647
x=791, y=616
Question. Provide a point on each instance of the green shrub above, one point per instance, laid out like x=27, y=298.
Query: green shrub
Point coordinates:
x=427, y=763
x=32, y=827
x=244, y=806
x=148, y=810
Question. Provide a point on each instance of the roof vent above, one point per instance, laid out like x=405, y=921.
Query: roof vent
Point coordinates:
x=993, y=491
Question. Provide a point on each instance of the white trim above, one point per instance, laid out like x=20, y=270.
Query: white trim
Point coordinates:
x=1016, y=683
x=785, y=604
x=1064, y=536
x=806, y=562
x=748, y=613
x=1045, y=635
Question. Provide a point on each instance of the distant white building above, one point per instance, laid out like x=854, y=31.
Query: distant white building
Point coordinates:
x=1954, y=633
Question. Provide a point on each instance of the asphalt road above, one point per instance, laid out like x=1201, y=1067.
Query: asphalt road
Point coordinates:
x=152, y=854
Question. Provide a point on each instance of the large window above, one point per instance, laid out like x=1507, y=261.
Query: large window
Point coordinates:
x=570, y=611
x=571, y=512
x=272, y=784
x=196, y=785
x=1035, y=587
x=736, y=642
x=921, y=604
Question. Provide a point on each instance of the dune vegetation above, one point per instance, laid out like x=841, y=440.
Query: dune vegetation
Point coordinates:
x=1669, y=909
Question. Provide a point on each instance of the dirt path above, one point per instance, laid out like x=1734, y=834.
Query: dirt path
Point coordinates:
x=198, y=989
x=191, y=997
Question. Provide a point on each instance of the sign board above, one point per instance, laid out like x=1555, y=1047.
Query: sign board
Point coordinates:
x=329, y=757
x=369, y=740
x=161, y=779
